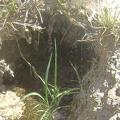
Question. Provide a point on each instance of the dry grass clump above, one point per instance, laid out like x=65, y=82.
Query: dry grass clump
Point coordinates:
x=107, y=13
x=17, y=17
x=99, y=18
x=105, y=18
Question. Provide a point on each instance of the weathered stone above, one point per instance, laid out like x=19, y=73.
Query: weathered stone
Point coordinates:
x=11, y=107
x=6, y=74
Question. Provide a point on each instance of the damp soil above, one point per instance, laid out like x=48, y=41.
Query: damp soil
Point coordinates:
x=81, y=56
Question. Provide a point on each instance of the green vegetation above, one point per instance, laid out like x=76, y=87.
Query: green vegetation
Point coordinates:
x=100, y=24
x=81, y=89
x=49, y=103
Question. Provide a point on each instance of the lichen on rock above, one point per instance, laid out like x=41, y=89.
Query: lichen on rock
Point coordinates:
x=10, y=106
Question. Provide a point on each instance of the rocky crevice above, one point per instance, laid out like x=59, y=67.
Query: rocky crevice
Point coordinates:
x=103, y=98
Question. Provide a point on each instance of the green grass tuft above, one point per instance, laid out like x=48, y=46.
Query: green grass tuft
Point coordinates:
x=49, y=103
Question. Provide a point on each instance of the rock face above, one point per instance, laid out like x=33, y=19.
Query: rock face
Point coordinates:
x=105, y=95
x=11, y=107
x=102, y=102
x=6, y=74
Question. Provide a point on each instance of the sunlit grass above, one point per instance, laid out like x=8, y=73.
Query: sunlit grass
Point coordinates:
x=106, y=13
